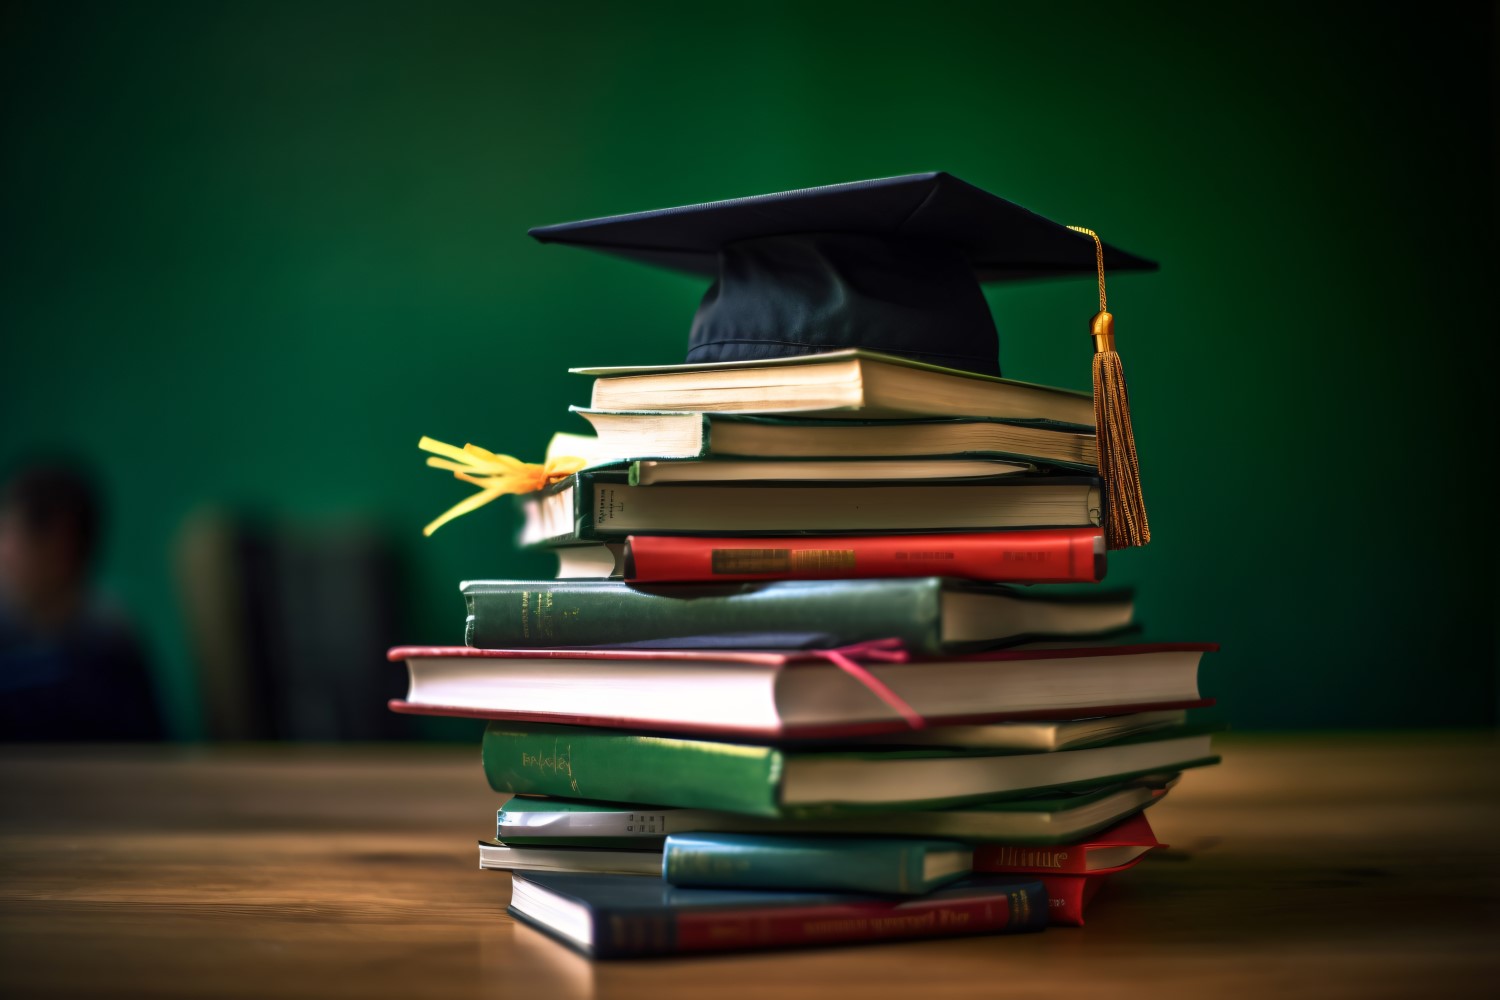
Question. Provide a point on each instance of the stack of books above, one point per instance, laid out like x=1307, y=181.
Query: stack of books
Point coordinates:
x=817, y=666
x=826, y=658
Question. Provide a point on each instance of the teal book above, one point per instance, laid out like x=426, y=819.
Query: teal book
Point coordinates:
x=614, y=766
x=928, y=614
x=894, y=866
x=601, y=505
x=1051, y=819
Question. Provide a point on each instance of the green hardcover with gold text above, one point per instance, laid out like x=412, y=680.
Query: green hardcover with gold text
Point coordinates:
x=613, y=766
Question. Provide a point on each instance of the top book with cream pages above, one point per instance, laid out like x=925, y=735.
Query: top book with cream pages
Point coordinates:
x=854, y=383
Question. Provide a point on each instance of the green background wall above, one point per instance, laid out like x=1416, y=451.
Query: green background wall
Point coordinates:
x=253, y=251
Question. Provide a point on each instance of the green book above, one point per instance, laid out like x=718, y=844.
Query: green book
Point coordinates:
x=600, y=505
x=927, y=614
x=1052, y=819
x=897, y=866
x=614, y=766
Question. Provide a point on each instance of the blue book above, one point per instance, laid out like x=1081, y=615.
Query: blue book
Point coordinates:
x=897, y=866
x=629, y=916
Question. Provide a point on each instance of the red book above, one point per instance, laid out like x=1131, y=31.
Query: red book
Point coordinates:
x=1068, y=895
x=1044, y=555
x=1111, y=850
x=1073, y=873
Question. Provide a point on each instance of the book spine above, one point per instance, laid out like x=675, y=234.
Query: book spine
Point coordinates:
x=1039, y=556
x=600, y=613
x=623, y=767
x=1067, y=896
x=875, y=865
x=1022, y=908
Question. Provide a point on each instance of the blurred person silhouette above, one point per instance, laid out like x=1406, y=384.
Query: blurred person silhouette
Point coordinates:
x=71, y=668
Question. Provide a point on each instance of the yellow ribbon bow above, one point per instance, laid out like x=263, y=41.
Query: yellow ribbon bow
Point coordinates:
x=495, y=475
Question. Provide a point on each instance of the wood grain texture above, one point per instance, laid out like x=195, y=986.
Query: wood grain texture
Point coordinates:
x=1328, y=866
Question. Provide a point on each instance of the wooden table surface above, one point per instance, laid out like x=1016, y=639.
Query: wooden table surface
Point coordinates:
x=1328, y=866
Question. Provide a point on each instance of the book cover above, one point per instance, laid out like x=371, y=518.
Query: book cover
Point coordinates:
x=624, y=436
x=1056, y=819
x=1117, y=848
x=926, y=614
x=600, y=505
x=810, y=695
x=613, y=766
x=892, y=865
x=621, y=916
x=853, y=380
x=864, y=471
x=1042, y=555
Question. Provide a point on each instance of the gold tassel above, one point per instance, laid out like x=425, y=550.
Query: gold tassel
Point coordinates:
x=495, y=475
x=1125, y=523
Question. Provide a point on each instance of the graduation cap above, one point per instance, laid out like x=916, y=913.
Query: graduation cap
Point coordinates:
x=892, y=265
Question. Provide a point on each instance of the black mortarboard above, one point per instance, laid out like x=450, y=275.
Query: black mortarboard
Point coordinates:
x=891, y=265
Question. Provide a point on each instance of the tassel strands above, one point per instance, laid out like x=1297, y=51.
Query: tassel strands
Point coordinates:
x=495, y=475
x=1125, y=523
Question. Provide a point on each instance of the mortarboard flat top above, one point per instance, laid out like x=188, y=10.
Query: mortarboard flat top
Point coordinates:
x=890, y=265
x=1002, y=240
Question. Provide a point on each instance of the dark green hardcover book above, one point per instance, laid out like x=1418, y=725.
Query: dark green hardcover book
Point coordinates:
x=600, y=505
x=927, y=614
x=613, y=766
x=893, y=865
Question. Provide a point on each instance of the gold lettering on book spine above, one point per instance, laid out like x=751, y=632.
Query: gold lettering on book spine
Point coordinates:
x=733, y=562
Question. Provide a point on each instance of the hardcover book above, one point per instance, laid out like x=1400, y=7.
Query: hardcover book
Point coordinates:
x=1042, y=555
x=614, y=766
x=1030, y=821
x=602, y=506
x=873, y=471
x=1073, y=872
x=808, y=695
x=620, y=916
x=890, y=865
x=623, y=436
x=853, y=382
x=1119, y=847
x=927, y=614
